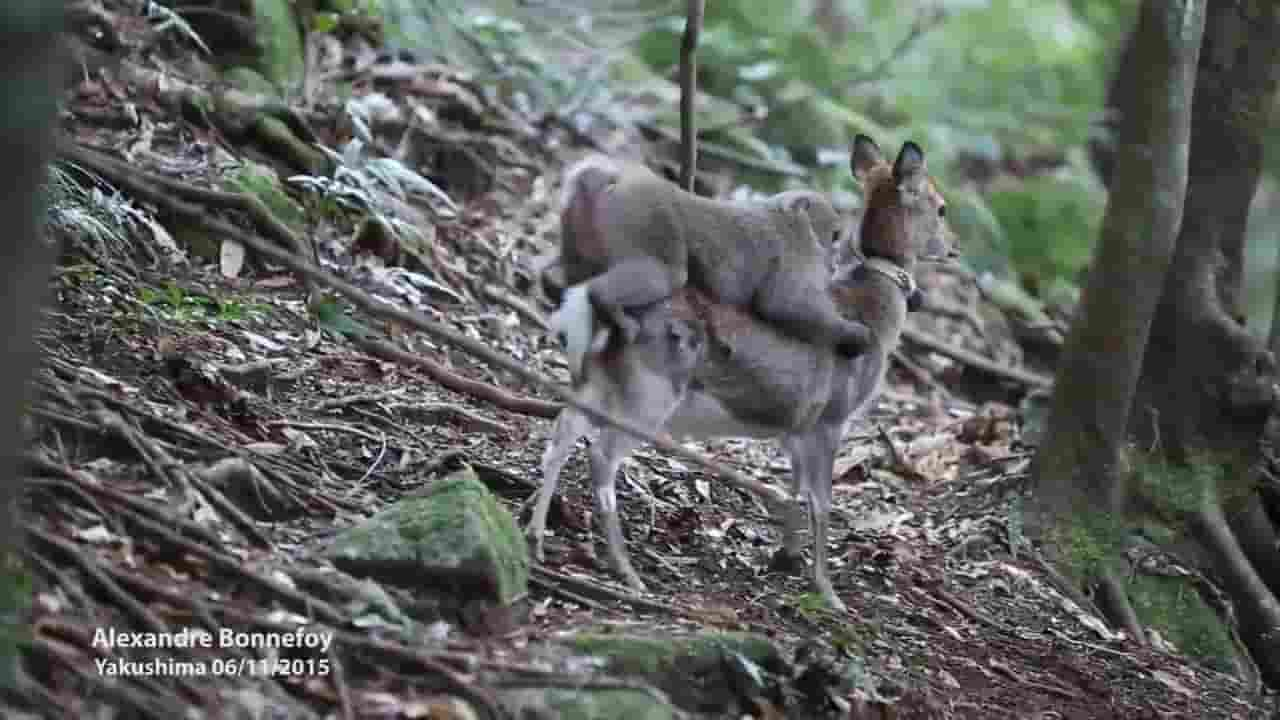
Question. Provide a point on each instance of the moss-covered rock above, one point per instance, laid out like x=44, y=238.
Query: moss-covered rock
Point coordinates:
x=586, y=704
x=249, y=80
x=453, y=537
x=691, y=670
x=263, y=183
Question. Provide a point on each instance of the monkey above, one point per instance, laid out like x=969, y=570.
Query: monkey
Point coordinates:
x=629, y=239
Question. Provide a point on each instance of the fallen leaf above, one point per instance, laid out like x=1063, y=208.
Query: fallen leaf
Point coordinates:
x=231, y=258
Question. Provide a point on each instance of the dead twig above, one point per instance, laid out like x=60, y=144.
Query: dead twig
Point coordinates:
x=976, y=361
x=93, y=571
x=447, y=378
x=586, y=587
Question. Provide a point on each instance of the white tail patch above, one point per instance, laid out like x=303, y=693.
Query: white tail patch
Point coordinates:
x=574, y=322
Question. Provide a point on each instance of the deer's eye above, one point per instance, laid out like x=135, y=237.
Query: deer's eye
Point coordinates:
x=942, y=211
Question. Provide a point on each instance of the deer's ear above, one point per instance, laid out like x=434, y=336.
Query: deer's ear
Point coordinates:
x=865, y=155
x=910, y=162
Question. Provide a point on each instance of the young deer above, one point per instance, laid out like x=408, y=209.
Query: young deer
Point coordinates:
x=702, y=369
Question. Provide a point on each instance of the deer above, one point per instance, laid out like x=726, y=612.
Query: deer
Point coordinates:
x=697, y=368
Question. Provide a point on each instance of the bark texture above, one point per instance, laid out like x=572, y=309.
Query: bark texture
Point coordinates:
x=1078, y=466
x=31, y=63
x=1206, y=390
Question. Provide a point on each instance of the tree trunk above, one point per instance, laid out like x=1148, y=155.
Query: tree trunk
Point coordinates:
x=30, y=84
x=1078, y=467
x=1206, y=389
x=1258, y=540
x=1257, y=610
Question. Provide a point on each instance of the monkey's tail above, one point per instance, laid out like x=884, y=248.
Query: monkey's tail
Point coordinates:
x=574, y=322
x=587, y=177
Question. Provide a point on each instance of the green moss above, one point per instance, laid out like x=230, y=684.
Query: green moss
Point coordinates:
x=15, y=602
x=586, y=704
x=1179, y=488
x=454, y=523
x=648, y=656
x=281, y=60
x=1173, y=607
x=261, y=182
x=1088, y=540
x=249, y=80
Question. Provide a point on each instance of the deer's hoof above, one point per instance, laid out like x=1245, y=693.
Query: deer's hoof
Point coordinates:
x=784, y=561
x=828, y=593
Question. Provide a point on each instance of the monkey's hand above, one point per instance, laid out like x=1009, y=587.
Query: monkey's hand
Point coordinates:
x=855, y=341
x=626, y=325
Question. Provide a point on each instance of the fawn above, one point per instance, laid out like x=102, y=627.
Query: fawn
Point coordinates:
x=702, y=369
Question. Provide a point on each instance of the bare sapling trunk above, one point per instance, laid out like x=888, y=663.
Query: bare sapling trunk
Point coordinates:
x=688, y=93
x=30, y=81
x=1078, y=477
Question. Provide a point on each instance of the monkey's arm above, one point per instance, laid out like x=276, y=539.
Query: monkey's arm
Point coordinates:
x=797, y=304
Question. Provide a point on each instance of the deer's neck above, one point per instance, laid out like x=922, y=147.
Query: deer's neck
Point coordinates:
x=875, y=294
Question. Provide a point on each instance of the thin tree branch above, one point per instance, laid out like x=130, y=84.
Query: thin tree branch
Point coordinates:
x=688, y=93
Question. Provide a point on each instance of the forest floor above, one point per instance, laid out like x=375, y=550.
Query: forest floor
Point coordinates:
x=156, y=373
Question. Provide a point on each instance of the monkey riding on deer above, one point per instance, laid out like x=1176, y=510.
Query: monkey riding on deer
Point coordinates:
x=629, y=239
x=700, y=367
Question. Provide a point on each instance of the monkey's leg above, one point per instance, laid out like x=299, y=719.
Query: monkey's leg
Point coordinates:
x=632, y=283
x=807, y=313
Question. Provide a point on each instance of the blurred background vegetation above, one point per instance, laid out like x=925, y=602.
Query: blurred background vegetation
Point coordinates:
x=1004, y=95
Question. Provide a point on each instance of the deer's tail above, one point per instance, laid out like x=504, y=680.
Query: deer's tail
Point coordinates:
x=574, y=322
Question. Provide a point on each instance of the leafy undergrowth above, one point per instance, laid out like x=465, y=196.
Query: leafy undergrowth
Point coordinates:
x=199, y=433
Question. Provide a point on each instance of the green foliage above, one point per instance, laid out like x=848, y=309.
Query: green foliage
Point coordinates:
x=82, y=204
x=167, y=19
x=1050, y=225
x=175, y=304
x=1173, y=606
x=15, y=605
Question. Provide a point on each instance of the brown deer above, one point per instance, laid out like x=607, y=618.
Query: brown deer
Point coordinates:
x=702, y=369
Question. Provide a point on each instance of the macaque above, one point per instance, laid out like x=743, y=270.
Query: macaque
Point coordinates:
x=629, y=239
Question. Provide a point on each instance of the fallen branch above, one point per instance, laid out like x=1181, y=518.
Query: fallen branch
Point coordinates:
x=976, y=361
x=143, y=186
x=457, y=383
x=581, y=586
x=126, y=602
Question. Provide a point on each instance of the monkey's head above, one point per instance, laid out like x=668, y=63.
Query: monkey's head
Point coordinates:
x=905, y=217
x=826, y=223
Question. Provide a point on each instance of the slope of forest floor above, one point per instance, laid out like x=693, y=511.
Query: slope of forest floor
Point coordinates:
x=162, y=377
